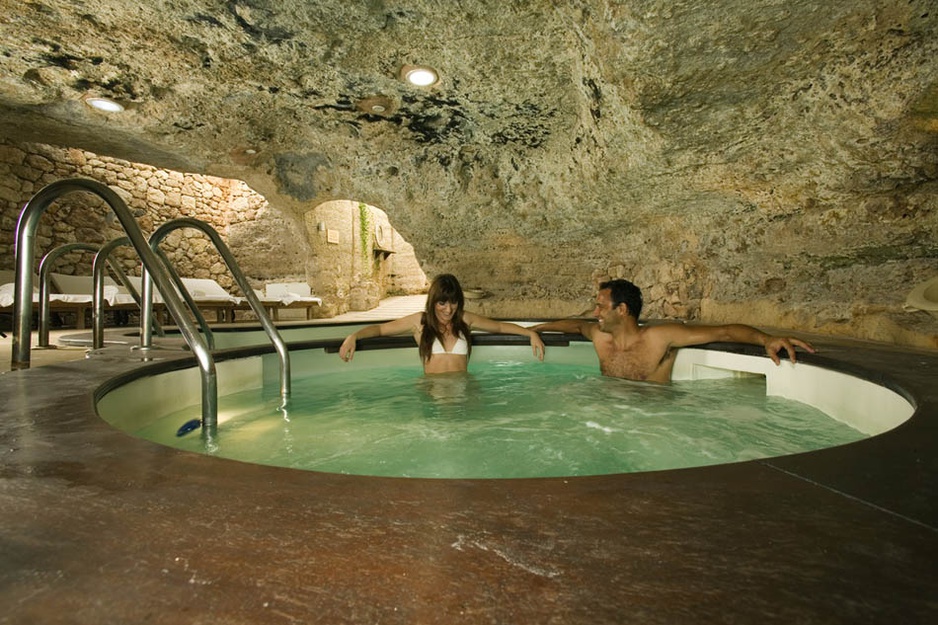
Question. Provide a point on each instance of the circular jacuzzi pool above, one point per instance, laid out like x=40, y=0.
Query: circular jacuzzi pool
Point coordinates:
x=509, y=417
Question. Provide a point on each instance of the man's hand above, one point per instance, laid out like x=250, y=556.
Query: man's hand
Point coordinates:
x=777, y=343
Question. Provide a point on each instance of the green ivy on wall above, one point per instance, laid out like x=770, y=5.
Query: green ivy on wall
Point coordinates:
x=364, y=229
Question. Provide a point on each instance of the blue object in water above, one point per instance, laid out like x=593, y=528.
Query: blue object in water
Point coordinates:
x=188, y=426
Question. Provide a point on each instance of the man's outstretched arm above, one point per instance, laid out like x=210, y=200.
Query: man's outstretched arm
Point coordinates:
x=568, y=326
x=686, y=335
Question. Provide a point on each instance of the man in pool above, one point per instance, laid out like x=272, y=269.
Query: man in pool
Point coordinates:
x=647, y=353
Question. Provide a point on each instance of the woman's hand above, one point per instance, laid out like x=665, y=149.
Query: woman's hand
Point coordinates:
x=537, y=345
x=347, y=349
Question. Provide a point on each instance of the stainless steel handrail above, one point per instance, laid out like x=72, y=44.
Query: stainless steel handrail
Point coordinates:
x=25, y=258
x=45, y=268
x=269, y=328
x=146, y=304
x=101, y=260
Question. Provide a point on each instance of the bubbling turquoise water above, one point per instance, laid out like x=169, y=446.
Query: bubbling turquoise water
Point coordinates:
x=505, y=420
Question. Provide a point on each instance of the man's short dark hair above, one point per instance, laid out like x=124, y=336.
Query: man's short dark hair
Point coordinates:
x=624, y=292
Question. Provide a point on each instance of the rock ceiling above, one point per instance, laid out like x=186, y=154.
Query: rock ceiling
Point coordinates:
x=733, y=149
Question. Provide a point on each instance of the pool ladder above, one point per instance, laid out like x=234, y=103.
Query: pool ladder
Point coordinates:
x=157, y=271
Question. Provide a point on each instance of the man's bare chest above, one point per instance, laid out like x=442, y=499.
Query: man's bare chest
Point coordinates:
x=635, y=363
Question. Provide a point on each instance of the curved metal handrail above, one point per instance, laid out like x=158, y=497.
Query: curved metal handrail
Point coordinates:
x=102, y=259
x=146, y=304
x=45, y=268
x=269, y=328
x=25, y=257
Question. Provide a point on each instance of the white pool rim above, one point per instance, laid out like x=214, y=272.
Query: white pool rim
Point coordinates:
x=864, y=405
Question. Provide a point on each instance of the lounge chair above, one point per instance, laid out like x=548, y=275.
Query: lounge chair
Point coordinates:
x=289, y=296
x=68, y=295
x=206, y=293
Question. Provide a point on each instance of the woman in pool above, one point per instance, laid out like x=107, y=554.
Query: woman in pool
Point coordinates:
x=442, y=331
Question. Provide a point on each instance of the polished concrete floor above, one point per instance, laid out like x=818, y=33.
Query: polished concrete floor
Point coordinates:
x=99, y=527
x=59, y=352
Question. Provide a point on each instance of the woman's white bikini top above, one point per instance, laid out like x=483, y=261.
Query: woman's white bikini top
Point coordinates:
x=461, y=348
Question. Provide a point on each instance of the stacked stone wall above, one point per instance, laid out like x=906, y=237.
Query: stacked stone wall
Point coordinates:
x=153, y=195
x=267, y=244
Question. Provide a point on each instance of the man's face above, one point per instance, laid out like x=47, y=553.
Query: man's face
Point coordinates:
x=605, y=314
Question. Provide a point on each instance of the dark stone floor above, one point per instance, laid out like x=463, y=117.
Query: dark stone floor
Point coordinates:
x=99, y=527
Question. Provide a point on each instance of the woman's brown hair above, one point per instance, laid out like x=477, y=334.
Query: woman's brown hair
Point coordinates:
x=444, y=288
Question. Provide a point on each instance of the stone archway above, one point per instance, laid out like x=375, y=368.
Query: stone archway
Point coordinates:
x=357, y=257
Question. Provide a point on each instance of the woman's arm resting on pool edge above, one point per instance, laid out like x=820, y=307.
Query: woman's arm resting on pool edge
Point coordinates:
x=404, y=325
x=503, y=327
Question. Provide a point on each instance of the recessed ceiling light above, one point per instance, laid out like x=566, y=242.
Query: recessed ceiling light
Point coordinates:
x=104, y=104
x=420, y=75
x=377, y=105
